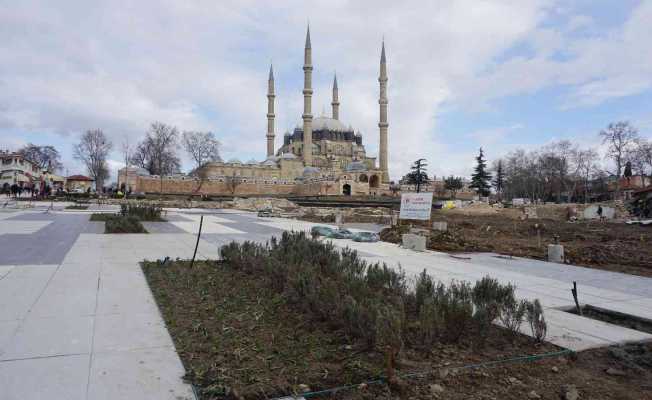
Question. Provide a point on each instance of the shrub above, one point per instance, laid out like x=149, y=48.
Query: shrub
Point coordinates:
x=430, y=321
x=457, y=309
x=369, y=301
x=491, y=296
x=359, y=318
x=537, y=320
x=145, y=212
x=120, y=224
x=512, y=315
x=424, y=289
x=389, y=334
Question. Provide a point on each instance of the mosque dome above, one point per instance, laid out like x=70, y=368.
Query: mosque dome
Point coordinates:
x=329, y=124
x=235, y=161
x=311, y=171
x=271, y=160
x=288, y=156
x=252, y=162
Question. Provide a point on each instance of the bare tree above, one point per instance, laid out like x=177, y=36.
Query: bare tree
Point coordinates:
x=202, y=147
x=157, y=153
x=620, y=137
x=46, y=157
x=639, y=157
x=585, y=168
x=93, y=150
x=644, y=150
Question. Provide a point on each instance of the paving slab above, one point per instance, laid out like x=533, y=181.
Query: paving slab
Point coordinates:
x=130, y=331
x=47, y=337
x=45, y=378
x=145, y=374
x=21, y=288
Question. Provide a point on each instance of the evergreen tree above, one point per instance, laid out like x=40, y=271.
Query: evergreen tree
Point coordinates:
x=499, y=180
x=481, y=177
x=418, y=176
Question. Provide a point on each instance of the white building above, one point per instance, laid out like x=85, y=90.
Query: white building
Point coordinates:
x=14, y=168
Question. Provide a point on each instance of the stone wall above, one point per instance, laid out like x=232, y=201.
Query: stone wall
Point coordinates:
x=218, y=187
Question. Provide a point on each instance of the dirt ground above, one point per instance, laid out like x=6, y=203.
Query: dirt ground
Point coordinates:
x=613, y=246
x=239, y=340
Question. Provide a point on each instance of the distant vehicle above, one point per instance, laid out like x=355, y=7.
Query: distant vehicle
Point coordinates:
x=267, y=212
x=341, y=234
x=78, y=190
x=366, y=237
x=322, y=231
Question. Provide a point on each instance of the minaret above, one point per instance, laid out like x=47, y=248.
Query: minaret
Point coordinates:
x=270, y=113
x=336, y=100
x=382, y=124
x=307, y=102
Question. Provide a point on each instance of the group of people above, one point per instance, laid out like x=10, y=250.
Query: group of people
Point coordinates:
x=16, y=190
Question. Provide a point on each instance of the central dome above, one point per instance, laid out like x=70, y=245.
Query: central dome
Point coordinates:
x=328, y=124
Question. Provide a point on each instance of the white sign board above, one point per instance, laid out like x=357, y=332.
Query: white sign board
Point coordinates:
x=416, y=206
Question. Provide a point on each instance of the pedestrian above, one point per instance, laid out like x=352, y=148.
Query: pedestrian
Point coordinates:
x=600, y=212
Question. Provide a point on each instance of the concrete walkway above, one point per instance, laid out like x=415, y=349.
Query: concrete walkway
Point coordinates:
x=78, y=321
x=88, y=328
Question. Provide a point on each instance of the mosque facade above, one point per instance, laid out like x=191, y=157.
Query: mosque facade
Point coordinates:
x=322, y=154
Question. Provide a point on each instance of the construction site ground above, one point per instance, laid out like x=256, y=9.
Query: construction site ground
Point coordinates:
x=610, y=245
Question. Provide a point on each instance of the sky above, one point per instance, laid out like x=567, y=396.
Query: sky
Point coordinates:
x=462, y=74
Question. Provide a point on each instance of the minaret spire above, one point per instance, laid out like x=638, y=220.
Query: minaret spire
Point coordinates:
x=307, y=102
x=382, y=123
x=336, y=99
x=270, y=112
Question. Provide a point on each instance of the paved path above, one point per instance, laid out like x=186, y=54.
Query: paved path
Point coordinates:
x=77, y=320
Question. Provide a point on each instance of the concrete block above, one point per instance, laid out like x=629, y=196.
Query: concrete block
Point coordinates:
x=414, y=242
x=592, y=212
x=440, y=226
x=338, y=218
x=556, y=253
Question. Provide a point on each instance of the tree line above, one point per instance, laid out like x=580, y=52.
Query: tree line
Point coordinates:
x=564, y=171
x=558, y=171
x=157, y=153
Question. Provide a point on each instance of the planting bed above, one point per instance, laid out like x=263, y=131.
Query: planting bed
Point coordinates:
x=239, y=336
x=615, y=317
x=77, y=207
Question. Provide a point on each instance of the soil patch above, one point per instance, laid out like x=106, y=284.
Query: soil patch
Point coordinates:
x=238, y=338
x=604, y=245
x=76, y=207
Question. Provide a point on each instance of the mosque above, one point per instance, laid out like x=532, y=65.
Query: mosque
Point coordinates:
x=324, y=156
x=324, y=148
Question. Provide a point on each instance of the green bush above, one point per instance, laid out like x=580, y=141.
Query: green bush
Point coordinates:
x=145, y=212
x=371, y=302
x=120, y=224
x=424, y=289
x=456, y=307
x=490, y=296
x=512, y=315
x=537, y=320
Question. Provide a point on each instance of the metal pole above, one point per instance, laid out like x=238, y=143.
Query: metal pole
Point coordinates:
x=201, y=222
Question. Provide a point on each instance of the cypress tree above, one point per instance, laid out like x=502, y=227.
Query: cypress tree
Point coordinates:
x=481, y=178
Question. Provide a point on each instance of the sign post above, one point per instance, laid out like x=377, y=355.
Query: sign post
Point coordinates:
x=416, y=206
